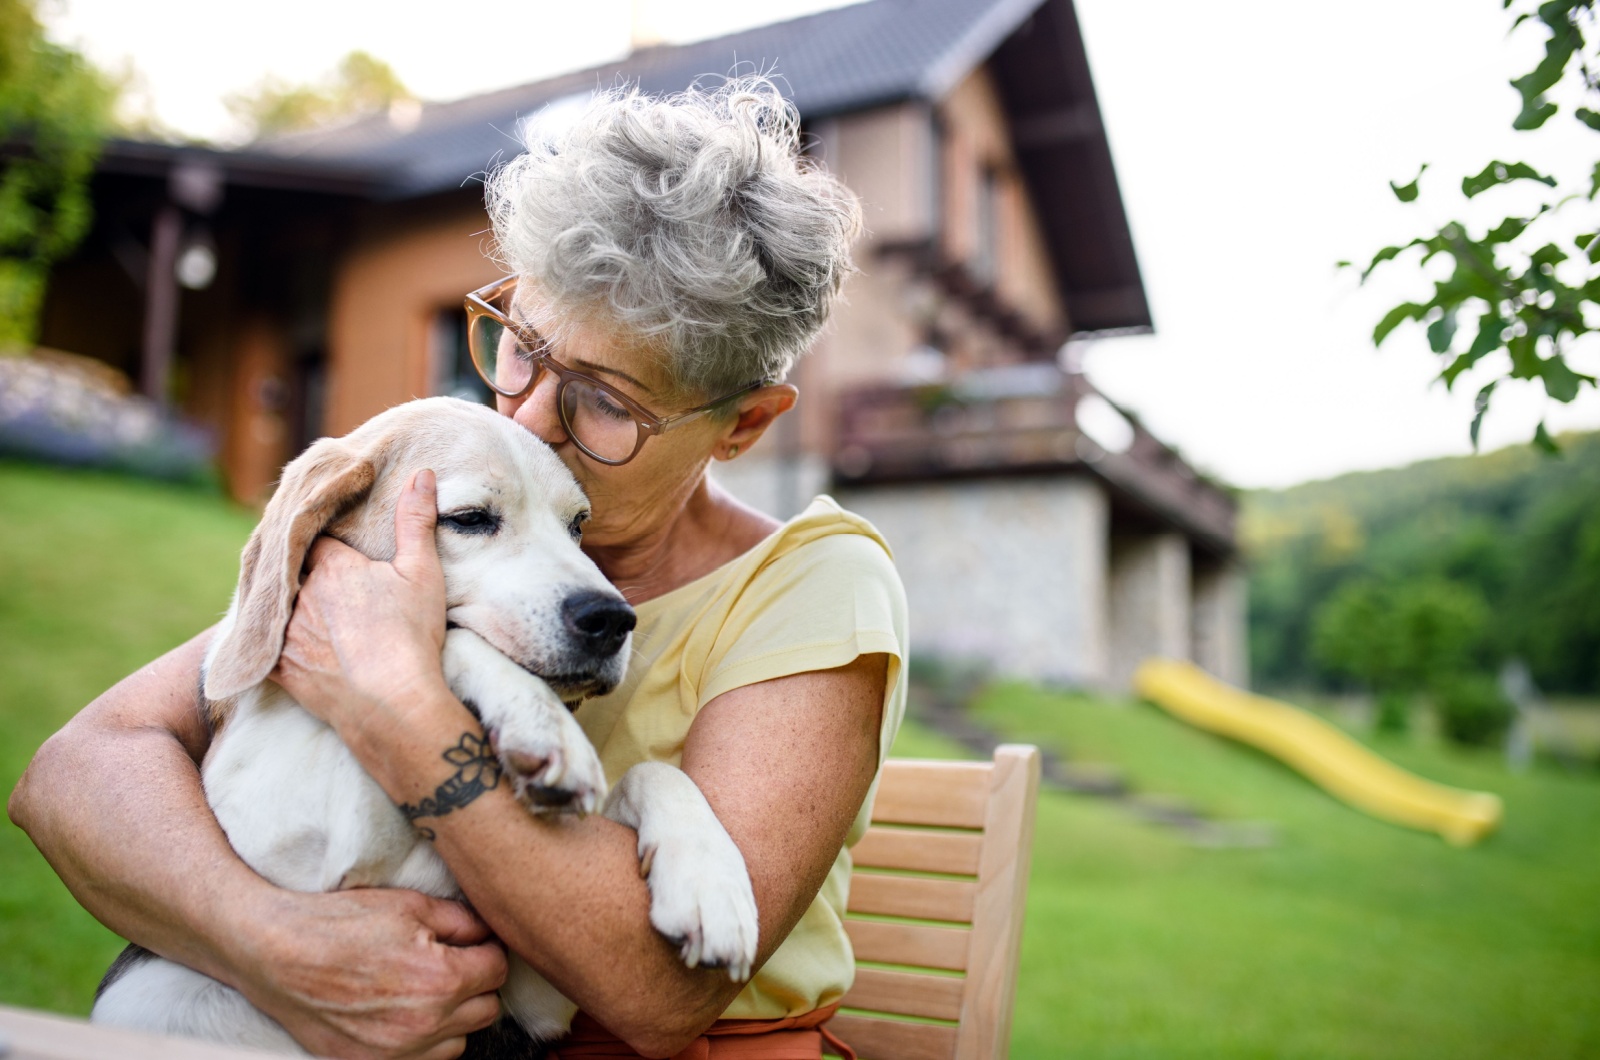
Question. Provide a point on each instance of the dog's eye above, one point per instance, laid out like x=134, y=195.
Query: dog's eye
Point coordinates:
x=575, y=528
x=471, y=521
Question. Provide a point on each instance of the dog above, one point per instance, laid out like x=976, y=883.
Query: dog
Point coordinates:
x=522, y=600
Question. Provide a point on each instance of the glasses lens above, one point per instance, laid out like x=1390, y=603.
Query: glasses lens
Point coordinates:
x=503, y=359
x=598, y=421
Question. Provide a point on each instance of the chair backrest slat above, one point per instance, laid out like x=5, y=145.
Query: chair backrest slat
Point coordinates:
x=913, y=896
x=942, y=794
x=949, y=842
x=921, y=945
x=920, y=850
x=908, y=993
x=896, y=1040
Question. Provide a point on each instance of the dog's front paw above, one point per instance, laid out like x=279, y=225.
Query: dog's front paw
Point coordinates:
x=552, y=767
x=552, y=770
x=701, y=899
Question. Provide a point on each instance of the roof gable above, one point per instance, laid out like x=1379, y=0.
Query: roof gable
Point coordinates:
x=847, y=59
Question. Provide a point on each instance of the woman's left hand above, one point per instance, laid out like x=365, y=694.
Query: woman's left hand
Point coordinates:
x=362, y=647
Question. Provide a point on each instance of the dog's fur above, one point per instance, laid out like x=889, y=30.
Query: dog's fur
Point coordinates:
x=300, y=810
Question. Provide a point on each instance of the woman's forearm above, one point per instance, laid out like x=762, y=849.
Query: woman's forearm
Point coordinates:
x=114, y=803
x=558, y=891
x=784, y=765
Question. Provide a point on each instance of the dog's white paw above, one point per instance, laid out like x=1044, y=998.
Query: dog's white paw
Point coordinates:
x=551, y=765
x=701, y=899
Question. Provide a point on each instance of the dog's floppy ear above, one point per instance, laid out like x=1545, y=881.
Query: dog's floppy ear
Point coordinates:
x=318, y=486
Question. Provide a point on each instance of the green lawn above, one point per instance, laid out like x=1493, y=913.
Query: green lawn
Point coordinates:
x=98, y=575
x=1349, y=938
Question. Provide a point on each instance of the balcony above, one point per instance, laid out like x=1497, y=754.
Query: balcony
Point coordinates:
x=1025, y=420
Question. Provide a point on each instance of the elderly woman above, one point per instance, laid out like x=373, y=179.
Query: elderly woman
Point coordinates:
x=673, y=258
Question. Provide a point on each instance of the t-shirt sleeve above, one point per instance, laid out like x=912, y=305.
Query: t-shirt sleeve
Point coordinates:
x=816, y=608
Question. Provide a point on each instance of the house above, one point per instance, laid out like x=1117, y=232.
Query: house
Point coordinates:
x=296, y=287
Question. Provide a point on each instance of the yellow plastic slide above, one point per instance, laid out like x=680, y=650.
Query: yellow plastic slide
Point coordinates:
x=1327, y=756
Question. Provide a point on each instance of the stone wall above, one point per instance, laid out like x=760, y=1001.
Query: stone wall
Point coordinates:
x=1220, y=598
x=1149, y=602
x=1030, y=575
x=1012, y=571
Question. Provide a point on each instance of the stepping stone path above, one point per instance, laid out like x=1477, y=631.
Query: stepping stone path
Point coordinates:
x=942, y=706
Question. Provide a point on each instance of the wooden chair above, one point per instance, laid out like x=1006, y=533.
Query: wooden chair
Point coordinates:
x=940, y=881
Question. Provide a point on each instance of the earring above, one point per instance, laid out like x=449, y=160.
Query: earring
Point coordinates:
x=733, y=451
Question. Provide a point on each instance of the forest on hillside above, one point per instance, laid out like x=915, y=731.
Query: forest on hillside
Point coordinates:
x=1397, y=581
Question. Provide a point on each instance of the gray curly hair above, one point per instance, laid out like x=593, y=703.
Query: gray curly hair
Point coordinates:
x=691, y=220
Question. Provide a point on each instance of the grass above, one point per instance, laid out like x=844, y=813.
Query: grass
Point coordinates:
x=1349, y=938
x=98, y=575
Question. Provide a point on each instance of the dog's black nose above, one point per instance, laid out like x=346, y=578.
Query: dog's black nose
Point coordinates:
x=600, y=621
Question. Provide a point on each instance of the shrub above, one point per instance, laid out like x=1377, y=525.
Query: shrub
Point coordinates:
x=57, y=408
x=1394, y=712
x=1472, y=710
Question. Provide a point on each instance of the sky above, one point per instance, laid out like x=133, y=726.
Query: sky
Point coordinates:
x=1253, y=140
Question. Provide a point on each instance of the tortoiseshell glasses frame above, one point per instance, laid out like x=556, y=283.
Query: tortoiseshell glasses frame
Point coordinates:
x=593, y=413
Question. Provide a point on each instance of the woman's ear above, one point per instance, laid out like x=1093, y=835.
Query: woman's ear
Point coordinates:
x=317, y=487
x=757, y=411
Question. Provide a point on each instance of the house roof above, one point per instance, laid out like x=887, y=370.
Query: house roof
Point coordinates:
x=834, y=62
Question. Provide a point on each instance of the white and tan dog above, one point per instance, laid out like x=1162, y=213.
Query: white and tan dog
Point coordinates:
x=521, y=599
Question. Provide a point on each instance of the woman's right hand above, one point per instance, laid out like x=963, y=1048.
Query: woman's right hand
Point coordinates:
x=371, y=973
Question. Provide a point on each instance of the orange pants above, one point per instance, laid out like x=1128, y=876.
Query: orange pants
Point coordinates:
x=791, y=1038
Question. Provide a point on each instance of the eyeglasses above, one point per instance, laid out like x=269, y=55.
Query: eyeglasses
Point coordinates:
x=605, y=424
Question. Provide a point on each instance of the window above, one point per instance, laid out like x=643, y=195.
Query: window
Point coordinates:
x=453, y=374
x=986, y=252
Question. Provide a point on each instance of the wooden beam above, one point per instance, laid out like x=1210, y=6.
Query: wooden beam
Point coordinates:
x=1048, y=128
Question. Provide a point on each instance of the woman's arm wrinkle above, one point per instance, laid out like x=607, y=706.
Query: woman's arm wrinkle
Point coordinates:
x=785, y=765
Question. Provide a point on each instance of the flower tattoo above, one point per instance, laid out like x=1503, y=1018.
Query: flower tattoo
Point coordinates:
x=477, y=771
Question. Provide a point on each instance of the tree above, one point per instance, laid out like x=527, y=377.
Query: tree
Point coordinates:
x=360, y=84
x=54, y=112
x=1516, y=292
x=1402, y=638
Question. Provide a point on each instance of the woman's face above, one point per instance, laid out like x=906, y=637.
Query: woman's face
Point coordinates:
x=631, y=499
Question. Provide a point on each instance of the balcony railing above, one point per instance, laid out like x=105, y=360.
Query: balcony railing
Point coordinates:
x=1019, y=421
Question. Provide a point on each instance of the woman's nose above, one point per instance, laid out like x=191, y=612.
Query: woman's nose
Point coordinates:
x=536, y=411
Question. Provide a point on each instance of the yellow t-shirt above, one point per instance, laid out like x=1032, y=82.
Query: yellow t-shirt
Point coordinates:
x=817, y=593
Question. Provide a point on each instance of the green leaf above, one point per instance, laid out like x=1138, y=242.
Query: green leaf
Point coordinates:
x=1524, y=356
x=1549, y=254
x=1582, y=241
x=1594, y=181
x=1534, y=113
x=1542, y=439
x=1491, y=327
x=1560, y=381
x=1497, y=173
x=1480, y=405
x=1386, y=254
x=1408, y=192
x=1394, y=317
x=1588, y=117
x=1507, y=230
x=1564, y=41
x=1442, y=332
x=1344, y=264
